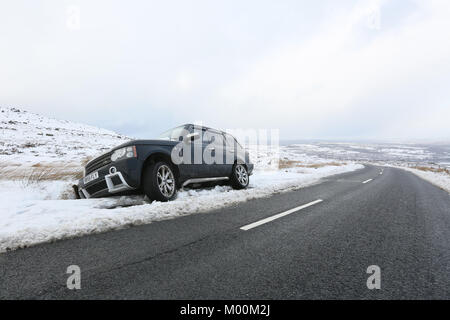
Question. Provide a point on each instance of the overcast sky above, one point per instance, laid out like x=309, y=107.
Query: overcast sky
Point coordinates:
x=313, y=69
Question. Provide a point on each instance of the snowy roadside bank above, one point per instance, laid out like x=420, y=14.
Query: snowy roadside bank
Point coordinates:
x=27, y=219
x=442, y=180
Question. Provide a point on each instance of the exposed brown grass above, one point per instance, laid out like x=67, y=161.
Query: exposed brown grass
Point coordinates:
x=432, y=169
x=6, y=171
x=283, y=164
x=50, y=173
x=41, y=172
x=85, y=161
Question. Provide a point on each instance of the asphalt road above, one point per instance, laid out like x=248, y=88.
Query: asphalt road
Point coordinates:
x=395, y=221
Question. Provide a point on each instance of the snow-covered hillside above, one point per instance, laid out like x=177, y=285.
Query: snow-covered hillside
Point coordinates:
x=438, y=153
x=40, y=159
x=28, y=139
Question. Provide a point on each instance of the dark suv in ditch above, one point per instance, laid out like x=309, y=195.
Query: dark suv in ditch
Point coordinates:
x=188, y=154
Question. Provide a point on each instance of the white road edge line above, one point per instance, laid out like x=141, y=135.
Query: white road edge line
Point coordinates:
x=367, y=180
x=279, y=215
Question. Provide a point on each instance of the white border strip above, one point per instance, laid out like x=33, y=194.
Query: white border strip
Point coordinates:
x=279, y=215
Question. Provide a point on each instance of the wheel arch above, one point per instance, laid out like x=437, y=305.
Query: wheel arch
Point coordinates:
x=238, y=161
x=160, y=156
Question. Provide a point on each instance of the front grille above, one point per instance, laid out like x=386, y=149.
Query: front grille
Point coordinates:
x=97, y=187
x=99, y=162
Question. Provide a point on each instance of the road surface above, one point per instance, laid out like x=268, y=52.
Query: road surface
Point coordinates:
x=288, y=246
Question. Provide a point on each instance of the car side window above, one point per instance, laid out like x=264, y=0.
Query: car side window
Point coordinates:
x=213, y=137
x=177, y=133
x=219, y=139
x=230, y=141
x=206, y=137
x=174, y=134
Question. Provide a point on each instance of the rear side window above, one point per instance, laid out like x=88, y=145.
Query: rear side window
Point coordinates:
x=231, y=142
x=211, y=136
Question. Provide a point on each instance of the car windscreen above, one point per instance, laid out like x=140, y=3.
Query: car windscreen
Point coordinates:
x=172, y=134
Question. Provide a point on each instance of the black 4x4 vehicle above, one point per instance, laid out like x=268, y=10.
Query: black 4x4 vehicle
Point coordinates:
x=187, y=154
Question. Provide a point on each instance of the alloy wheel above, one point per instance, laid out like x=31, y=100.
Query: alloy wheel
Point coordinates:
x=166, y=181
x=242, y=174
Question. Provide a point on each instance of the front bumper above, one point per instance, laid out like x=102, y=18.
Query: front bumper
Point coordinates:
x=115, y=182
x=116, y=177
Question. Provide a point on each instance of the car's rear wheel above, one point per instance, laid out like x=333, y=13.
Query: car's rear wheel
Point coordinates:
x=159, y=182
x=239, y=177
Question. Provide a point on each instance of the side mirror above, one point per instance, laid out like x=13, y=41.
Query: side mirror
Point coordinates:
x=193, y=136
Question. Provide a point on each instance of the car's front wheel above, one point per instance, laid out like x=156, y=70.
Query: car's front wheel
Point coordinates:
x=239, y=177
x=159, y=182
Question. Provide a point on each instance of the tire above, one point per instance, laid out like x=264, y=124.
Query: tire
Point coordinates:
x=239, y=177
x=159, y=182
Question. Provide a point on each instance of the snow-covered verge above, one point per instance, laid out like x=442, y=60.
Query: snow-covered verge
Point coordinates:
x=26, y=220
x=40, y=159
x=440, y=179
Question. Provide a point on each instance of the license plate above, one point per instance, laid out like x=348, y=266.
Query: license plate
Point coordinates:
x=90, y=177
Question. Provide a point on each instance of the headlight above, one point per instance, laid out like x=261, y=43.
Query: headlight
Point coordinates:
x=122, y=153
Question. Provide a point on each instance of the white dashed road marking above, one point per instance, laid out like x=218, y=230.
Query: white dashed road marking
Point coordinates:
x=279, y=215
x=367, y=180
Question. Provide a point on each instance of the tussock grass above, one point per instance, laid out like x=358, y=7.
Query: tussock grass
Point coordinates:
x=284, y=164
x=41, y=172
x=7, y=170
x=85, y=161
x=49, y=173
x=432, y=169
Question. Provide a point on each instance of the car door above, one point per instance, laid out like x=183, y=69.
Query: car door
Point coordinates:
x=196, y=168
x=213, y=152
x=183, y=150
x=229, y=154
